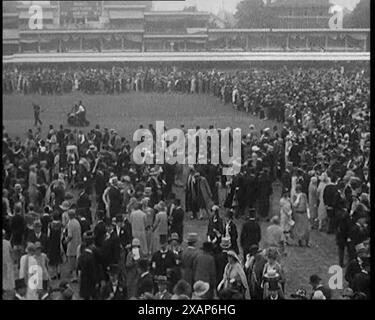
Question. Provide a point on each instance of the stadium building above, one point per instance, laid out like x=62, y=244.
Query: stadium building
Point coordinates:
x=133, y=26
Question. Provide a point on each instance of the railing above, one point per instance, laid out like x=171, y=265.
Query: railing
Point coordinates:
x=246, y=40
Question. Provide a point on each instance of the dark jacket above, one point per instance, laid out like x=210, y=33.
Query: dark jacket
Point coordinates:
x=162, y=261
x=90, y=275
x=205, y=269
x=99, y=233
x=107, y=292
x=177, y=222
x=145, y=284
x=111, y=250
x=125, y=234
x=250, y=234
x=42, y=239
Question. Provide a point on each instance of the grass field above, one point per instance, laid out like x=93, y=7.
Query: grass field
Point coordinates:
x=126, y=112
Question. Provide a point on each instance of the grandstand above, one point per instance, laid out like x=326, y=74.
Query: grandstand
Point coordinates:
x=131, y=26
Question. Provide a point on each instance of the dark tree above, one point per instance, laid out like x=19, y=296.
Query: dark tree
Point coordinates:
x=360, y=17
x=251, y=14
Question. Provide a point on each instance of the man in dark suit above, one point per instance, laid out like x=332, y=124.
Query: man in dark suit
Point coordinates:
x=329, y=195
x=114, y=196
x=205, y=268
x=38, y=236
x=355, y=266
x=99, y=230
x=84, y=205
x=177, y=219
x=163, y=261
x=319, y=289
x=145, y=282
x=215, y=229
x=123, y=230
x=250, y=233
x=88, y=269
x=111, y=249
x=362, y=281
x=188, y=258
x=113, y=289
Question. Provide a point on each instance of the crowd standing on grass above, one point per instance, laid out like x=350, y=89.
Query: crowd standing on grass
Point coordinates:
x=74, y=196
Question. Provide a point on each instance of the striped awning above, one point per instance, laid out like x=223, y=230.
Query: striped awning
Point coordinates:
x=9, y=41
x=47, y=15
x=10, y=34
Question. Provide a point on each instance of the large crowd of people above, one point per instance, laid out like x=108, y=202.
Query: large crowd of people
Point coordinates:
x=76, y=198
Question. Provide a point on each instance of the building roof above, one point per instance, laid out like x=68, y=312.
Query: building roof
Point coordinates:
x=124, y=6
x=87, y=31
x=177, y=13
x=300, y=3
x=175, y=36
x=119, y=14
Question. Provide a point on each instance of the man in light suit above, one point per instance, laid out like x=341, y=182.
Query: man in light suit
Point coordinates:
x=138, y=221
x=160, y=227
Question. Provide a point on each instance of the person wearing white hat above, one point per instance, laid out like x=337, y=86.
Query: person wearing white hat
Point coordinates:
x=234, y=271
x=200, y=288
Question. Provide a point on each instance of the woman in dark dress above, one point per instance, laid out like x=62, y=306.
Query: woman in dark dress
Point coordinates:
x=54, y=245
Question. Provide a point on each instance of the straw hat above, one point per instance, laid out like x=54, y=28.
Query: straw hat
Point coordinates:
x=65, y=205
x=200, y=288
x=136, y=242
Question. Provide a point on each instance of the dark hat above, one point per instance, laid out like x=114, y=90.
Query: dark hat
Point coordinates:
x=252, y=212
x=192, y=237
x=315, y=278
x=163, y=239
x=113, y=269
x=88, y=237
x=207, y=246
x=174, y=236
x=37, y=223
x=254, y=249
x=20, y=284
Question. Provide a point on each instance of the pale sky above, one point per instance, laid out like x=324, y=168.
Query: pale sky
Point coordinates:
x=215, y=5
x=228, y=5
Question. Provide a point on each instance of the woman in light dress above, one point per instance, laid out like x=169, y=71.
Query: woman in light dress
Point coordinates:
x=301, y=229
x=149, y=222
x=322, y=212
x=313, y=200
x=8, y=268
x=286, y=221
x=33, y=187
